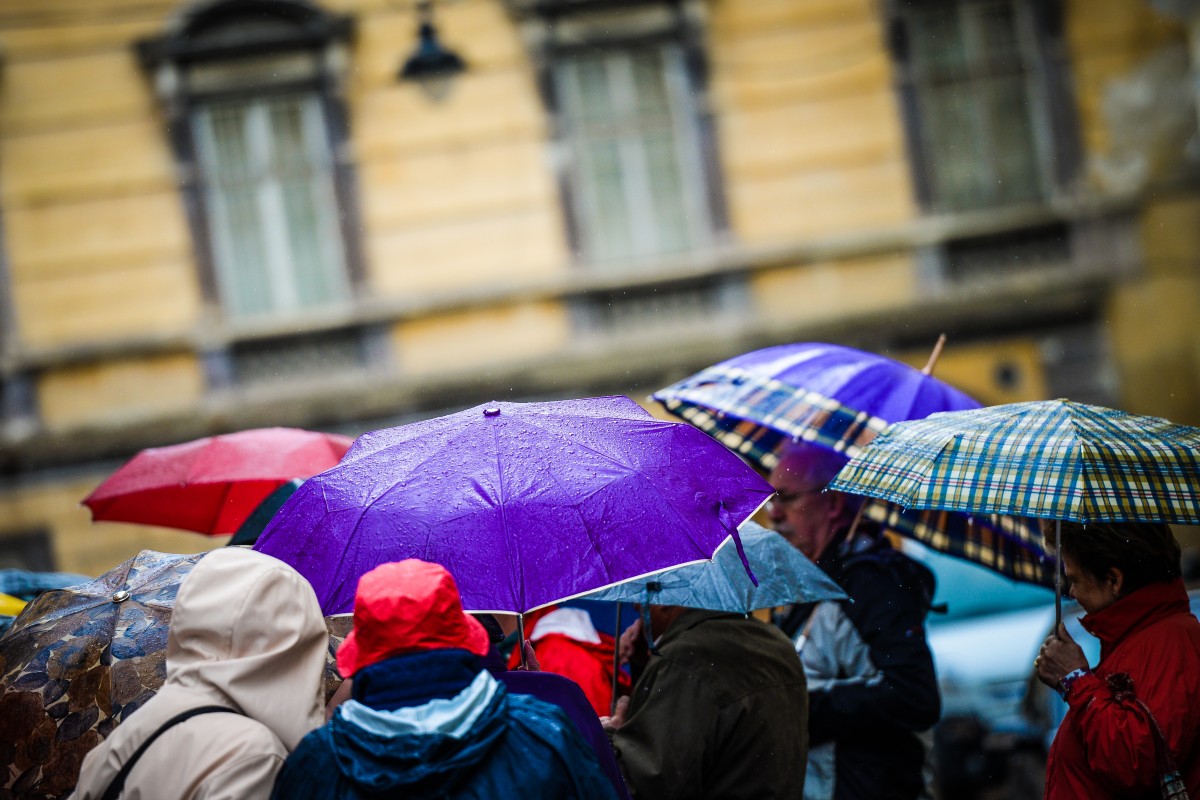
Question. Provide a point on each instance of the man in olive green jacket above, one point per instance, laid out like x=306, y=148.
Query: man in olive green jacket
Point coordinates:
x=720, y=710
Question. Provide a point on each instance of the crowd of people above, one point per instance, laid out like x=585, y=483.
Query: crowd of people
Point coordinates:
x=832, y=701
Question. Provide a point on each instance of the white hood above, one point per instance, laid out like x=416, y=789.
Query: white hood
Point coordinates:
x=247, y=630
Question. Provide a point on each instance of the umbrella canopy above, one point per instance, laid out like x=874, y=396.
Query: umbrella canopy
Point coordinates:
x=840, y=398
x=785, y=576
x=249, y=531
x=524, y=503
x=78, y=660
x=1009, y=546
x=75, y=662
x=1053, y=459
x=212, y=485
x=834, y=396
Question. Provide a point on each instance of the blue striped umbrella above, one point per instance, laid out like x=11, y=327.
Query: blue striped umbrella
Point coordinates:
x=834, y=396
x=841, y=398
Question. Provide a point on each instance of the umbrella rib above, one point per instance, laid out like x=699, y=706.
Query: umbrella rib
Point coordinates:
x=510, y=542
x=612, y=460
x=586, y=528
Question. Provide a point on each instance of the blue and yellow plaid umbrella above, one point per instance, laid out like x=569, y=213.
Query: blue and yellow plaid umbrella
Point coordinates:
x=1053, y=459
x=840, y=398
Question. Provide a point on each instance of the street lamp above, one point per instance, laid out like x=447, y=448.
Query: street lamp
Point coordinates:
x=432, y=65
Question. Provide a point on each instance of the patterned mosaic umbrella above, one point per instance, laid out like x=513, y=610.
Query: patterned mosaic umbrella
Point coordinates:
x=841, y=398
x=1052, y=459
x=78, y=660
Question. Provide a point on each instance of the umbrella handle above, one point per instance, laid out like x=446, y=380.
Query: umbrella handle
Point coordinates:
x=521, y=639
x=616, y=659
x=1057, y=574
x=933, y=357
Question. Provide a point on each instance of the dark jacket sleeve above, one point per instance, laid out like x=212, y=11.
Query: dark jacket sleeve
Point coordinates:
x=661, y=746
x=307, y=771
x=889, y=608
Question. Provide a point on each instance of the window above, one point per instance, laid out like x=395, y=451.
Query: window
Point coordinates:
x=984, y=101
x=625, y=86
x=630, y=129
x=269, y=194
x=252, y=93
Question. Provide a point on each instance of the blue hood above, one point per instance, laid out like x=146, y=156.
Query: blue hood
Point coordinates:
x=416, y=764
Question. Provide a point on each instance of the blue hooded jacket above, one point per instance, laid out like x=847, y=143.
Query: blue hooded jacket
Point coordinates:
x=433, y=725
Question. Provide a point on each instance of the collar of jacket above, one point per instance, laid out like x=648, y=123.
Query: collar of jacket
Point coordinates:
x=867, y=537
x=689, y=619
x=1135, y=610
x=414, y=679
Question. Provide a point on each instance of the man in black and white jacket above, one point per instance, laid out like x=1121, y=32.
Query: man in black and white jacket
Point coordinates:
x=871, y=680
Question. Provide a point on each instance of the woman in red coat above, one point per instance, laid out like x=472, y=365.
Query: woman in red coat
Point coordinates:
x=1126, y=576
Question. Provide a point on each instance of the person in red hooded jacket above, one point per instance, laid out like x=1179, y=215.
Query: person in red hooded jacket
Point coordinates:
x=1126, y=576
x=568, y=644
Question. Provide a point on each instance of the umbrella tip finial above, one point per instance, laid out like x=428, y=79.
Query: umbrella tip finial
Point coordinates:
x=933, y=357
x=491, y=411
x=120, y=597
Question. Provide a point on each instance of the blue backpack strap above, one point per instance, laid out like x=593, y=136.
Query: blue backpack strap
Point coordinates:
x=118, y=784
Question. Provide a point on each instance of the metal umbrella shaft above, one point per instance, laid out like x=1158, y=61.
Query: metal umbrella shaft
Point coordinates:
x=616, y=659
x=1058, y=573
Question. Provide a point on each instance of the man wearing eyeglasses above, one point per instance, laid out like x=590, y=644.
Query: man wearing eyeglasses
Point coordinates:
x=872, y=686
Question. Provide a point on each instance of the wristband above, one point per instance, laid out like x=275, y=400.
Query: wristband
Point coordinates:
x=1064, y=684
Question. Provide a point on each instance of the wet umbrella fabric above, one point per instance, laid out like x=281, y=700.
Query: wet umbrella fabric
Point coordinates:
x=78, y=660
x=841, y=398
x=834, y=396
x=524, y=503
x=1053, y=459
x=785, y=576
x=212, y=485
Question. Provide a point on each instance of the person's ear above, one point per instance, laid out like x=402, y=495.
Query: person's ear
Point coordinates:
x=1115, y=578
x=836, y=505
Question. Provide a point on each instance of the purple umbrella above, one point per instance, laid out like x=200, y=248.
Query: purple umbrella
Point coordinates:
x=524, y=503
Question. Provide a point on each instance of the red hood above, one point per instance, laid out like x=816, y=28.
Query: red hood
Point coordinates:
x=1136, y=610
x=405, y=607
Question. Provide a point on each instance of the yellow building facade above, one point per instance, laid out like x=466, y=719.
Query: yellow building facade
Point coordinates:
x=236, y=213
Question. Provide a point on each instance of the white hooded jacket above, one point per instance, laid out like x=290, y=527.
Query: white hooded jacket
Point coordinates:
x=246, y=633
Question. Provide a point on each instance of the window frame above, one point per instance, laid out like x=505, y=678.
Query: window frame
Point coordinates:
x=167, y=60
x=1054, y=123
x=684, y=30
x=283, y=281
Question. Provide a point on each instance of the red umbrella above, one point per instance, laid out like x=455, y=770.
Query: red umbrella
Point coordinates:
x=211, y=485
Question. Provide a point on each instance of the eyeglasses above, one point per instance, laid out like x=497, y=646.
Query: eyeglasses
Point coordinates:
x=783, y=499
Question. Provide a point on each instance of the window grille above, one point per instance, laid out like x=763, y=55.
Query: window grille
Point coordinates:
x=976, y=81
x=267, y=180
x=635, y=164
